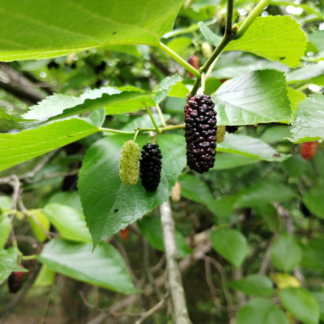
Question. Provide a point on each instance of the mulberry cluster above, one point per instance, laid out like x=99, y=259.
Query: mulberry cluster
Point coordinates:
x=15, y=281
x=128, y=163
x=150, y=166
x=200, y=120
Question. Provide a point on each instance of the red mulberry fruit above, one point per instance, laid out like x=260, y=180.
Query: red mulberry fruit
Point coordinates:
x=231, y=129
x=193, y=60
x=15, y=280
x=200, y=120
x=124, y=234
x=150, y=166
x=308, y=150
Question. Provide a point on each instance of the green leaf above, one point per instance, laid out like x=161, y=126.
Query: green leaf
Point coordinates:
x=13, y=256
x=222, y=207
x=186, y=30
x=309, y=123
x=96, y=118
x=254, y=284
x=313, y=254
x=108, y=204
x=209, y=35
x=180, y=45
x=127, y=49
x=69, y=222
x=301, y=304
x=165, y=86
x=56, y=104
x=261, y=311
x=102, y=267
x=249, y=146
x=314, y=201
x=20, y=147
x=319, y=297
x=286, y=252
x=295, y=97
x=274, y=134
x=230, y=244
x=38, y=231
x=317, y=38
x=277, y=38
x=255, y=97
x=5, y=229
x=179, y=91
x=8, y=262
x=195, y=189
x=151, y=229
x=268, y=214
x=263, y=192
x=6, y=203
x=45, y=277
x=77, y=26
x=70, y=199
x=305, y=73
x=144, y=122
x=227, y=161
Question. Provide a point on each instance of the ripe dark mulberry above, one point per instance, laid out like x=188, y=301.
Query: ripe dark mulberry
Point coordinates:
x=200, y=120
x=150, y=166
x=231, y=129
x=15, y=280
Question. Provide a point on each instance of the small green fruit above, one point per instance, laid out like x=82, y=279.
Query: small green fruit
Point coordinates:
x=128, y=163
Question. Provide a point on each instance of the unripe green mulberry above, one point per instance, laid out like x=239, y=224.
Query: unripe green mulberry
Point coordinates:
x=128, y=163
x=220, y=135
x=206, y=49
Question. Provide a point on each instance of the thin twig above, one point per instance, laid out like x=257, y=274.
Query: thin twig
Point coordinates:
x=47, y=305
x=198, y=254
x=227, y=294
x=35, y=219
x=153, y=310
x=266, y=259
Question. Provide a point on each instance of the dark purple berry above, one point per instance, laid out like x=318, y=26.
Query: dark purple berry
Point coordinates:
x=150, y=166
x=304, y=210
x=15, y=280
x=200, y=120
x=231, y=129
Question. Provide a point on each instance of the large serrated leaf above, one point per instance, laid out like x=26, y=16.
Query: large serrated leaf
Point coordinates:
x=230, y=244
x=254, y=284
x=309, y=123
x=263, y=192
x=69, y=222
x=103, y=267
x=227, y=161
x=33, y=29
x=249, y=146
x=195, y=189
x=8, y=261
x=301, y=304
x=108, y=204
x=277, y=38
x=255, y=97
x=20, y=147
x=285, y=252
x=261, y=311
